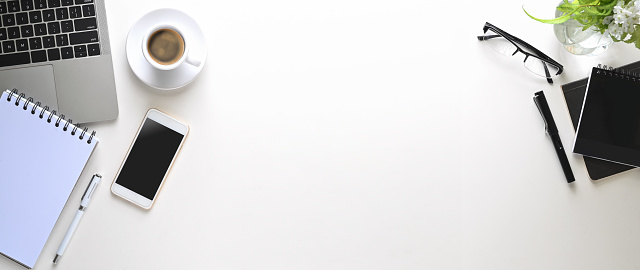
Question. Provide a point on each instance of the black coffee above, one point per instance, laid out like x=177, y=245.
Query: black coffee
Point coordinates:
x=165, y=46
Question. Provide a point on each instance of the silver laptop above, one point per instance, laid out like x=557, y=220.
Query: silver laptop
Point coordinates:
x=58, y=52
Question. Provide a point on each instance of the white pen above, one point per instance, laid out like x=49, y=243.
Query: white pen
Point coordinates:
x=86, y=198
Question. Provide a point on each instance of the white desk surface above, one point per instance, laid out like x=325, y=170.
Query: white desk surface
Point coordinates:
x=355, y=135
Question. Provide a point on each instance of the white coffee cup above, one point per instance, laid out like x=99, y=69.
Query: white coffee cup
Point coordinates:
x=166, y=48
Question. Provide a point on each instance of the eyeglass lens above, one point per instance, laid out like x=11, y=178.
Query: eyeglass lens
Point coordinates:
x=503, y=46
x=499, y=43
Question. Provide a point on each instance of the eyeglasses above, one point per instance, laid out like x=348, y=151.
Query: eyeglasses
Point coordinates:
x=534, y=60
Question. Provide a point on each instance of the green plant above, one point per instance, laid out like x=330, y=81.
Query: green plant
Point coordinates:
x=617, y=18
x=588, y=12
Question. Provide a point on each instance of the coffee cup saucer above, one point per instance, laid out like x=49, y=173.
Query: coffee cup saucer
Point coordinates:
x=166, y=79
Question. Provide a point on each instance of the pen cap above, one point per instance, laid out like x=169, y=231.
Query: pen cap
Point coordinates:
x=541, y=102
x=86, y=197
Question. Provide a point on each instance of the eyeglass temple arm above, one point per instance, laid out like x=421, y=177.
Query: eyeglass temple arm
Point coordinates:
x=481, y=38
x=546, y=72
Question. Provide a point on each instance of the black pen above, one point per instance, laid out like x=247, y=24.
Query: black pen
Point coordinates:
x=552, y=130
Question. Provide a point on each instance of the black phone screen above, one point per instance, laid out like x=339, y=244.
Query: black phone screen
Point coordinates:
x=149, y=159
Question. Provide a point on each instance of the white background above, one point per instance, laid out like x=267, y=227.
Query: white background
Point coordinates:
x=355, y=134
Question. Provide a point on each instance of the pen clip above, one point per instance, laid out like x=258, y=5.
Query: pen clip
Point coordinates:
x=92, y=186
x=536, y=100
x=543, y=107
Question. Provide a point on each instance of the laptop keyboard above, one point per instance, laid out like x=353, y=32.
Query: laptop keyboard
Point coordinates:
x=33, y=31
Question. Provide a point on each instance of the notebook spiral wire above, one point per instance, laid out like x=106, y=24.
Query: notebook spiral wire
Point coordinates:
x=618, y=73
x=45, y=109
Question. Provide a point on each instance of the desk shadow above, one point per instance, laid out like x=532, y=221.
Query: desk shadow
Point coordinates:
x=172, y=92
x=141, y=85
x=612, y=178
x=126, y=203
x=573, y=187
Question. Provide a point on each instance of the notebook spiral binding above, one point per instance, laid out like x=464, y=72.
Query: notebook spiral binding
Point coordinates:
x=45, y=109
x=618, y=73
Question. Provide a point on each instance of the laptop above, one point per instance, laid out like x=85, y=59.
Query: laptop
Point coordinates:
x=58, y=52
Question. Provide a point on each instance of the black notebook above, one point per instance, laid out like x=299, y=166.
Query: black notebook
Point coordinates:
x=574, y=94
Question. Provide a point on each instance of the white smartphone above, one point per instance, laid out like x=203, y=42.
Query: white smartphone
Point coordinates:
x=149, y=159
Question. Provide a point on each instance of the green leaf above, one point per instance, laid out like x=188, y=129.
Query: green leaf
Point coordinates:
x=558, y=20
x=593, y=11
x=609, y=6
x=565, y=9
x=568, y=6
x=587, y=27
x=624, y=36
x=632, y=39
x=635, y=37
x=585, y=19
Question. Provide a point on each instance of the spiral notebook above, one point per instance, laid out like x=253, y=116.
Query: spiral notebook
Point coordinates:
x=42, y=158
x=574, y=93
x=609, y=125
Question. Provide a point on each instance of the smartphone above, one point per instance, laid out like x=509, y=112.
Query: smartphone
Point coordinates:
x=149, y=159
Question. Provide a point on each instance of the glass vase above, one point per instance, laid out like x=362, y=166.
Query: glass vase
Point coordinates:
x=579, y=42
